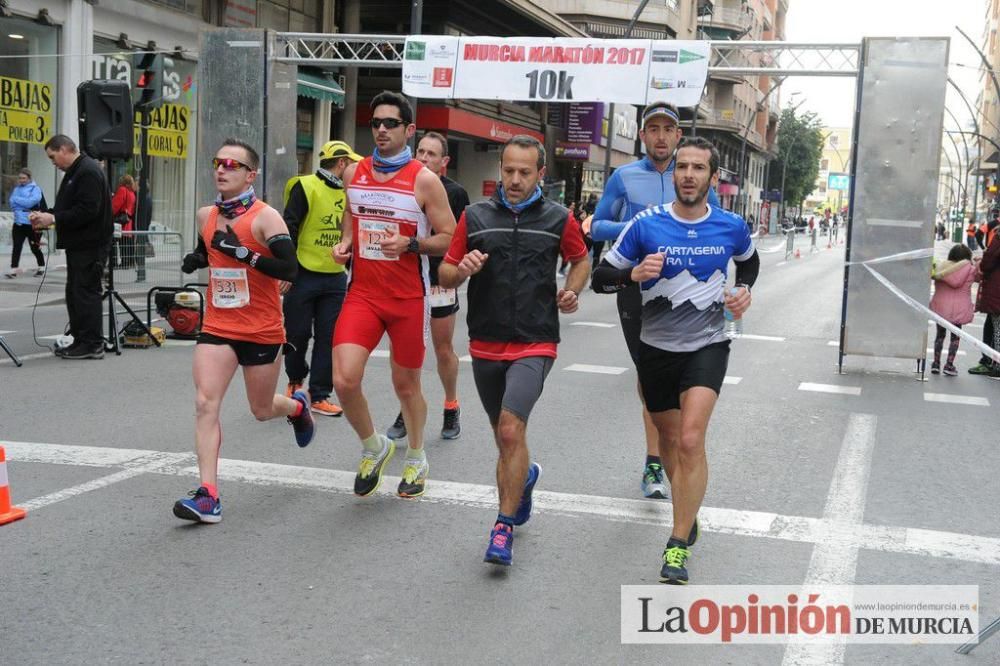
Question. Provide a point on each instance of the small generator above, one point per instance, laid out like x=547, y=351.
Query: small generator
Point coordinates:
x=182, y=309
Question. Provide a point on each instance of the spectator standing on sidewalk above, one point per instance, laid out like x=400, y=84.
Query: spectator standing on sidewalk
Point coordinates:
x=24, y=198
x=82, y=217
x=952, y=300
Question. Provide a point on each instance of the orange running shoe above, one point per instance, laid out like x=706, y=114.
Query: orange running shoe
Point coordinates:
x=326, y=408
x=292, y=388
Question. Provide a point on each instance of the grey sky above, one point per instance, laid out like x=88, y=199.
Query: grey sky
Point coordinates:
x=846, y=21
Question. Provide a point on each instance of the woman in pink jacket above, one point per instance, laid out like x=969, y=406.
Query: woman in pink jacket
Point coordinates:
x=952, y=300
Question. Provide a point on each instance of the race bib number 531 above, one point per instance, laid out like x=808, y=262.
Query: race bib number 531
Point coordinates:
x=230, y=288
x=370, y=237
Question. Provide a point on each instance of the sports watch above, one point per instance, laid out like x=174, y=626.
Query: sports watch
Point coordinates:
x=242, y=253
x=414, y=246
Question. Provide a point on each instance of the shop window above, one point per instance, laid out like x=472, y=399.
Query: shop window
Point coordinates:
x=172, y=132
x=28, y=105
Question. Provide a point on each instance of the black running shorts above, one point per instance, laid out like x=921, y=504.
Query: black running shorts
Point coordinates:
x=247, y=353
x=664, y=375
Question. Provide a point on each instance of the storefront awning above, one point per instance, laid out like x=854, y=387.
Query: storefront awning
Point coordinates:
x=318, y=87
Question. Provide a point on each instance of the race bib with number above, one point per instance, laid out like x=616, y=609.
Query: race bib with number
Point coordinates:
x=442, y=298
x=230, y=288
x=370, y=236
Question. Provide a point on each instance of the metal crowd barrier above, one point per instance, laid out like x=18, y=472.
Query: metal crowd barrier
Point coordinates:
x=139, y=260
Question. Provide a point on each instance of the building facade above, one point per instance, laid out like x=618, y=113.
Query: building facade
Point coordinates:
x=988, y=101
x=51, y=47
x=833, y=182
x=740, y=113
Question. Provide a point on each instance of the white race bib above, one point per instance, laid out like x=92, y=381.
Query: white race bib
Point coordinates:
x=230, y=288
x=442, y=298
x=370, y=237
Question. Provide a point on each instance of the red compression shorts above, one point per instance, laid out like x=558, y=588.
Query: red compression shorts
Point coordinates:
x=363, y=321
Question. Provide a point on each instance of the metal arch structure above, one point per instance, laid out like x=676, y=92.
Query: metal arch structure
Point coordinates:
x=743, y=58
x=886, y=197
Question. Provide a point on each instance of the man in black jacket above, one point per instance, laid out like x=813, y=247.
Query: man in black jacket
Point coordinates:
x=510, y=247
x=82, y=217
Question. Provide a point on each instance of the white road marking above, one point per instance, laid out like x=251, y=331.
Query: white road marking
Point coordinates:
x=830, y=388
x=380, y=353
x=781, y=263
x=767, y=338
x=835, y=561
x=6, y=332
x=596, y=369
x=956, y=399
x=732, y=380
x=594, y=324
x=148, y=463
x=801, y=529
x=465, y=359
x=833, y=343
x=25, y=357
x=170, y=342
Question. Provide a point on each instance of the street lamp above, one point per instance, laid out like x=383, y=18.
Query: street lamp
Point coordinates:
x=975, y=189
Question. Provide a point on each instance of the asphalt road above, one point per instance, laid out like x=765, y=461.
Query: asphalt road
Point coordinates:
x=877, y=484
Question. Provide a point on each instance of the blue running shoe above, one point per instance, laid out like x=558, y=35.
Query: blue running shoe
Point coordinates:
x=524, y=509
x=501, y=545
x=303, y=424
x=201, y=507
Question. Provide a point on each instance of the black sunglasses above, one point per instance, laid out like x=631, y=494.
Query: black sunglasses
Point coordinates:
x=390, y=123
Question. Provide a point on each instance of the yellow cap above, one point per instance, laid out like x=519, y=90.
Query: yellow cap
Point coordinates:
x=334, y=149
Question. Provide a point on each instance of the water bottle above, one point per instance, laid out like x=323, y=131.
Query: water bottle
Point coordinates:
x=734, y=324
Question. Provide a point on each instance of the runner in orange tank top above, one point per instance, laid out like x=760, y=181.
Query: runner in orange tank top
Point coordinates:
x=393, y=203
x=245, y=246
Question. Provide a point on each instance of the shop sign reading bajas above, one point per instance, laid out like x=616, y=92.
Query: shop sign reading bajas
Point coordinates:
x=25, y=110
x=168, y=131
x=634, y=71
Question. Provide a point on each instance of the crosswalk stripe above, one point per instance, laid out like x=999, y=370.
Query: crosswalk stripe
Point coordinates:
x=596, y=369
x=593, y=324
x=830, y=388
x=957, y=399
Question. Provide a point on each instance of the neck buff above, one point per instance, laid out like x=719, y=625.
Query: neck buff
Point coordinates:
x=236, y=206
x=521, y=205
x=391, y=164
x=330, y=178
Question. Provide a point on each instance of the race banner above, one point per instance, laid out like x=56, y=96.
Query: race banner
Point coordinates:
x=25, y=110
x=538, y=69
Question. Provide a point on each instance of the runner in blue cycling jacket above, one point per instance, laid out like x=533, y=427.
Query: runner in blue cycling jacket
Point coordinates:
x=632, y=189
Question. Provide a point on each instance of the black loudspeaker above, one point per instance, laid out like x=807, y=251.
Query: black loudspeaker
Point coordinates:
x=106, y=125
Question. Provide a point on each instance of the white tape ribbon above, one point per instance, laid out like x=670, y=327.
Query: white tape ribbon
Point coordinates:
x=986, y=349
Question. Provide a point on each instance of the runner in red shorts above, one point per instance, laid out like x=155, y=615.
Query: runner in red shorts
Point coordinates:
x=245, y=246
x=393, y=203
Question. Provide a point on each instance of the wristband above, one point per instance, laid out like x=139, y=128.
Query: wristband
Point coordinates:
x=253, y=259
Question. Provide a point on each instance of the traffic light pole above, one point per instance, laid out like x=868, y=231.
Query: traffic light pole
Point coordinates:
x=141, y=214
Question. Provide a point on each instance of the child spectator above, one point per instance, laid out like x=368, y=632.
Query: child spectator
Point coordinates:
x=952, y=300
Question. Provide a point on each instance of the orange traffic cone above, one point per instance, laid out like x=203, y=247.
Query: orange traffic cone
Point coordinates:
x=798, y=255
x=8, y=513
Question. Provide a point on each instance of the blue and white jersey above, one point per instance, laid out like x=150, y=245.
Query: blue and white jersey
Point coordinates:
x=682, y=308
